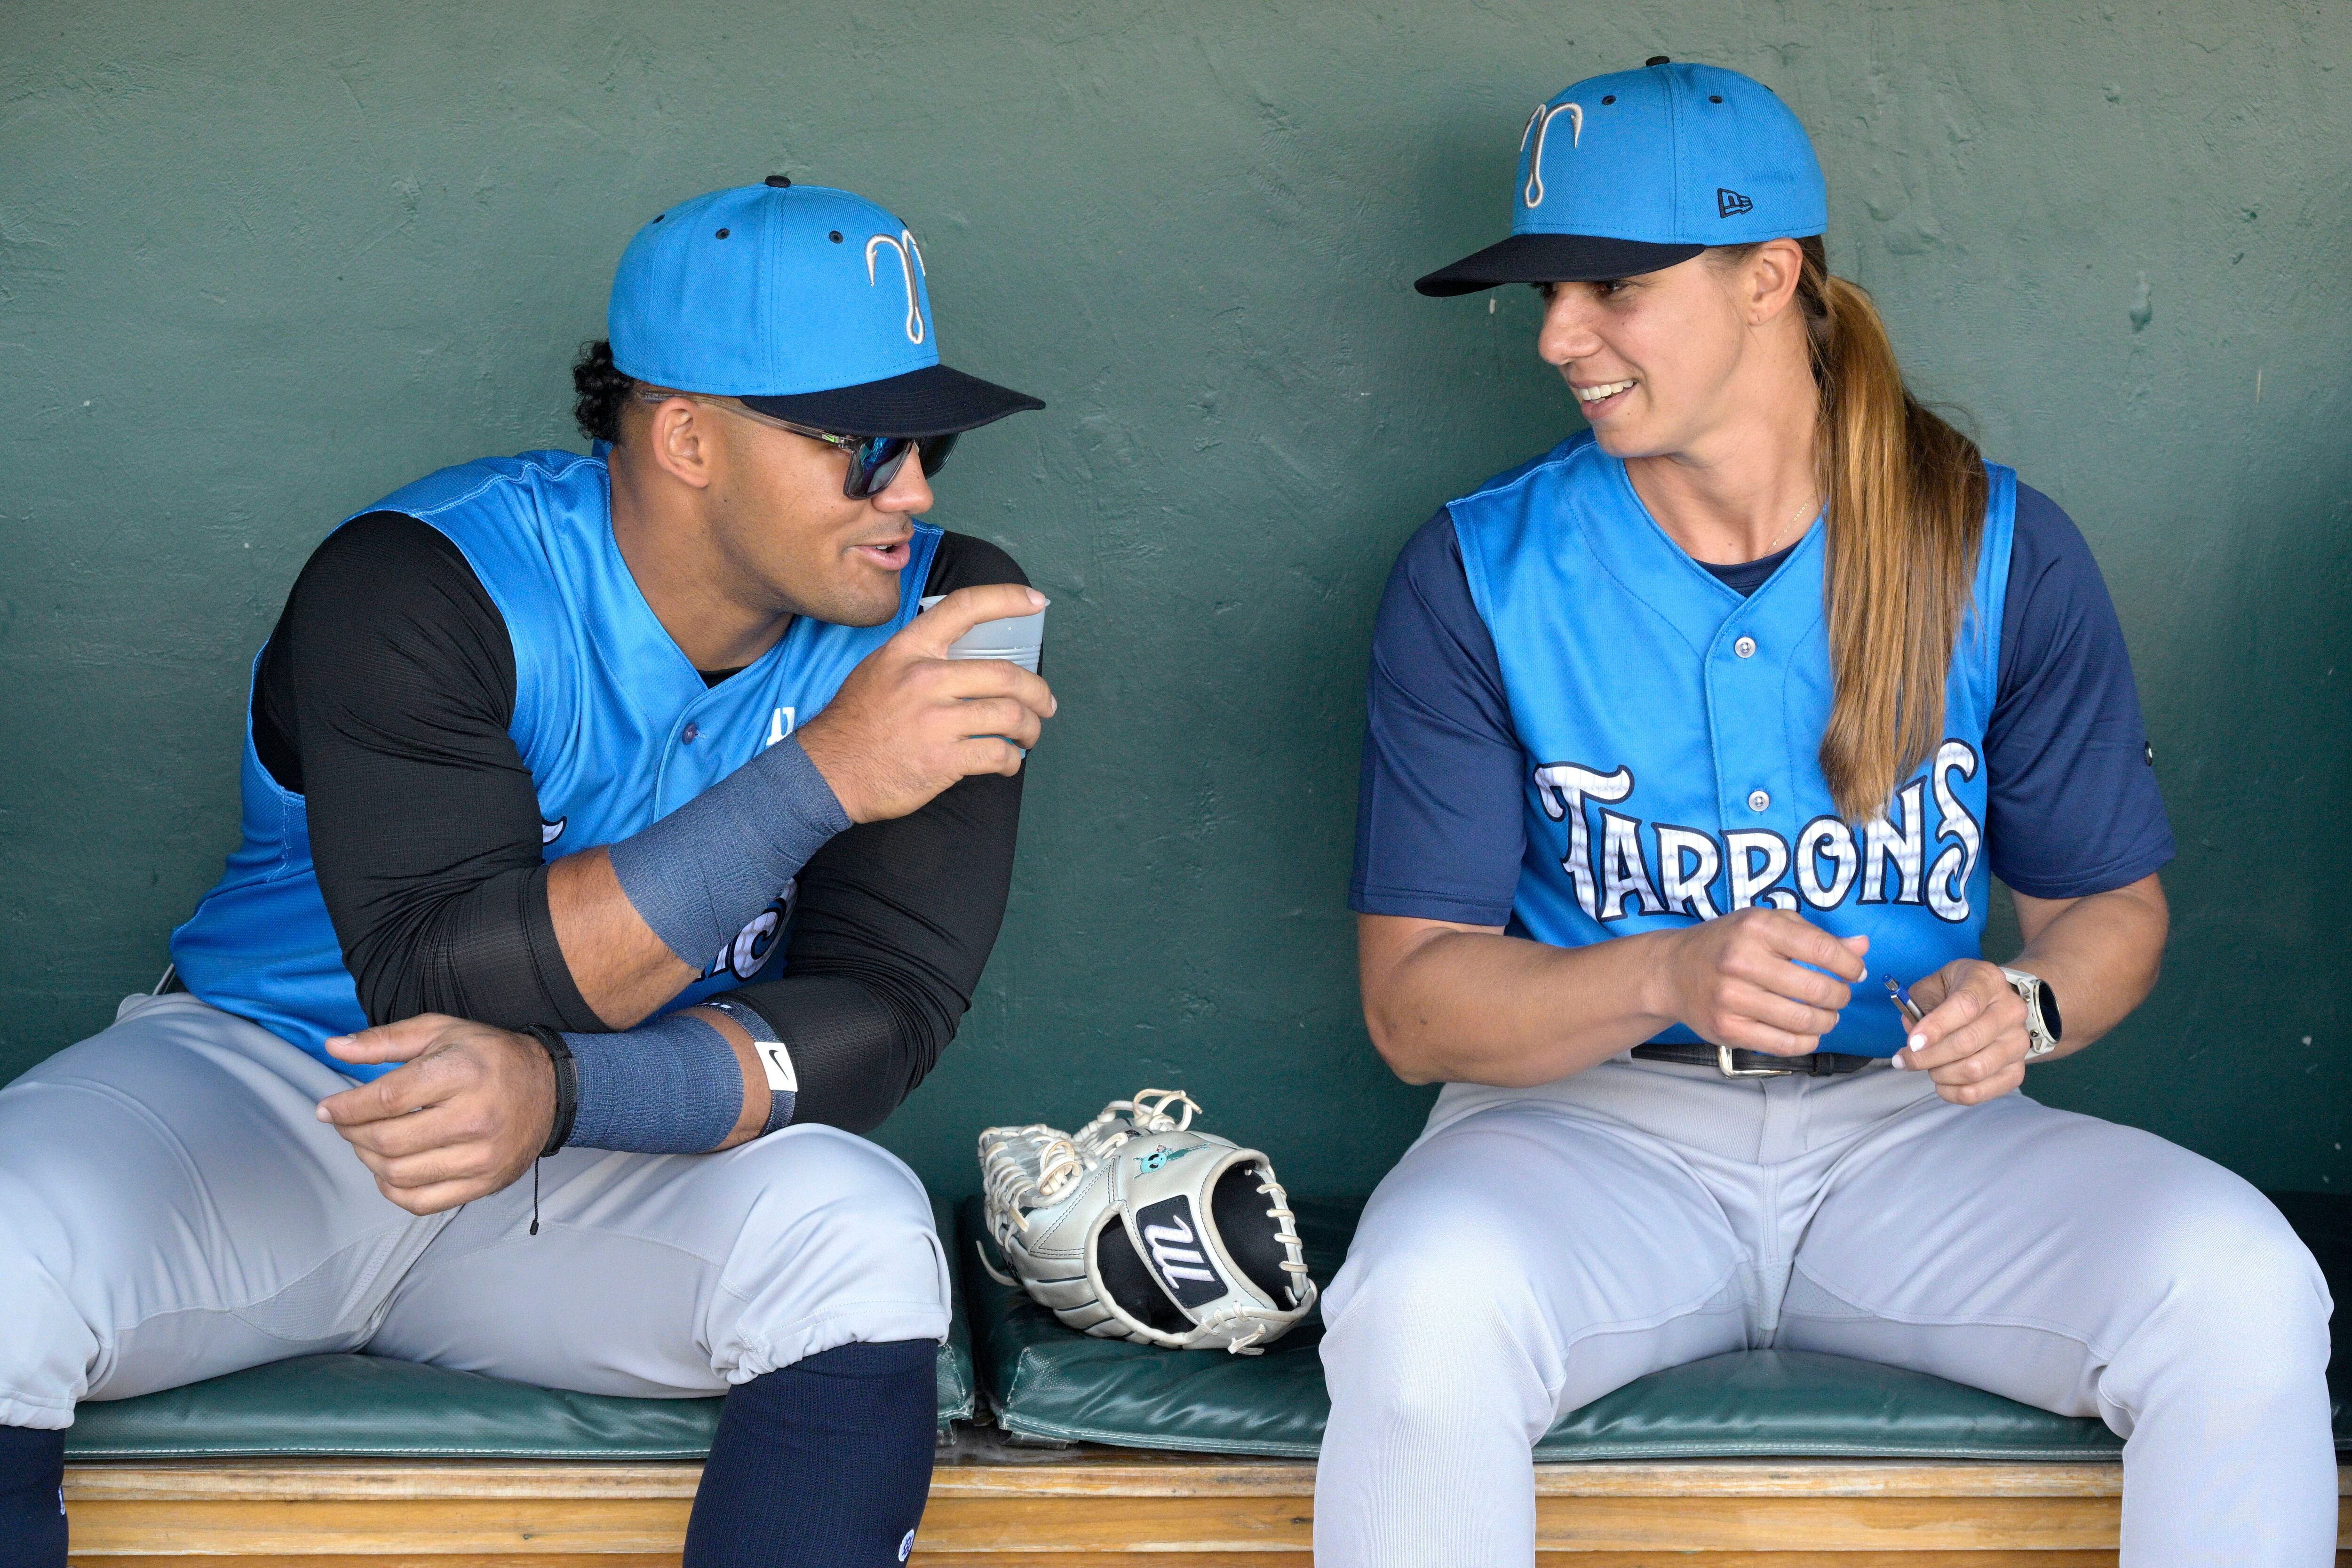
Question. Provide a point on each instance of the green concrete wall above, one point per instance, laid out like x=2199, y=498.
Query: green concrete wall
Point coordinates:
x=261, y=263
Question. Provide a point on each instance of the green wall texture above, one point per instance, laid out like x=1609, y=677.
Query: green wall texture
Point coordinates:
x=260, y=263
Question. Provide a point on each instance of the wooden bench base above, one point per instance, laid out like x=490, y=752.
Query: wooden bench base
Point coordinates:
x=1091, y=1510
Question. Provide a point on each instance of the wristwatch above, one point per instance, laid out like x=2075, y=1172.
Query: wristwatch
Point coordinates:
x=2043, y=1029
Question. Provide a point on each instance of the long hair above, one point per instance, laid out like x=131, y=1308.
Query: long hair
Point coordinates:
x=1906, y=501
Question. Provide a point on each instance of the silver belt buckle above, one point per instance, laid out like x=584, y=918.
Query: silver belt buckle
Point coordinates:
x=1723, y=1065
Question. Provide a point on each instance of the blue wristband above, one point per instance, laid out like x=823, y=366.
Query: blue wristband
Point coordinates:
x=670, y=1086
x=701, y=874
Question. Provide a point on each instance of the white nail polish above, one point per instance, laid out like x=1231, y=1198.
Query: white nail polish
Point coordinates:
x=1917, y=1042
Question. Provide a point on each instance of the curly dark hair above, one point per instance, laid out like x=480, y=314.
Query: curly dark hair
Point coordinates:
x=604, y=390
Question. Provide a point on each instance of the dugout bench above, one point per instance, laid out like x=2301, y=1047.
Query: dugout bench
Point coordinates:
x=1077, y=1453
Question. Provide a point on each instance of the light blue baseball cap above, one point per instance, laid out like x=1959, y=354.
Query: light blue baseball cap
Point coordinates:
x=807, y=303
x=1629, y=172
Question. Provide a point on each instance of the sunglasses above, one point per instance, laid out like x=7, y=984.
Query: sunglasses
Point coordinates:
x=874, y=461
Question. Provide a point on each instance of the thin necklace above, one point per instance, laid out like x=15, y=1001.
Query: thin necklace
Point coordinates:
x=1807, y=511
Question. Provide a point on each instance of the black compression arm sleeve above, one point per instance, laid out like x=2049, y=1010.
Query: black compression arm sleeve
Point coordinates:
x=383, y=699
x=894, y=924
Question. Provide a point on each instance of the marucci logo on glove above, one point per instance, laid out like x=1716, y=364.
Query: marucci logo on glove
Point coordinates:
x=1174, y=1244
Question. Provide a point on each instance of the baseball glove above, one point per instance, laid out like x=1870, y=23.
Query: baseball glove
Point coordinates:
x=1136, y=1227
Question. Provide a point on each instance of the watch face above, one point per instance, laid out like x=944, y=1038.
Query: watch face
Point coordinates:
x=2050, y=1020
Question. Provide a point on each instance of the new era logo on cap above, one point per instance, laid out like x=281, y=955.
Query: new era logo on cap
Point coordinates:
x=1650, y=167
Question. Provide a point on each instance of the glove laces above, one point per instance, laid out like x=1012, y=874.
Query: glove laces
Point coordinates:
x=1034, y=1166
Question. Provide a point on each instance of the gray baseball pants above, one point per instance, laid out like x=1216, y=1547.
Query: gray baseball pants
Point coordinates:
x=1538, y=1247
x=171, y=1209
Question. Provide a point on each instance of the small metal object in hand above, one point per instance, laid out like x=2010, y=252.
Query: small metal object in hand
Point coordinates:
x=1909, y=1009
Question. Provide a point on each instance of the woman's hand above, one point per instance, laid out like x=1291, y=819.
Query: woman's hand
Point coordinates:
x=1972, y=1038
x=1742, y=981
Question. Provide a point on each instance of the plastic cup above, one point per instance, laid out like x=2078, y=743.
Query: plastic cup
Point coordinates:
x=1016, y=638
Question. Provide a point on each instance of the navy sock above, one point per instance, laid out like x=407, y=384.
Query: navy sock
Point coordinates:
x=822, y=1464
x=32, y=1498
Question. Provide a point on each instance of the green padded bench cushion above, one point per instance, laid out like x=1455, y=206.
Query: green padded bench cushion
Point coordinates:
x=366, y=1406
x=958, y=1386
x=1045, y=1382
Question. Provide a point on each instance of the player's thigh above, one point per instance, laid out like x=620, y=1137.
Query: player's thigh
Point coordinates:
x=1530, y=1239
x=661, y=1275
x=2017, y=1247
x=170, y=1208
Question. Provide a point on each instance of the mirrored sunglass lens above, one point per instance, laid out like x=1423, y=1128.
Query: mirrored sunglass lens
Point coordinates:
x=873, y=463
x=935, y=451
x=876, y=461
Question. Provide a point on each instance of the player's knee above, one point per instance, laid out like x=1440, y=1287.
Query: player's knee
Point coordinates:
x=834, y=1215
x=806, y=1175
x=1422, y=1319
x=1407, y=1359
x=2231, y=1272
x=46, y=1350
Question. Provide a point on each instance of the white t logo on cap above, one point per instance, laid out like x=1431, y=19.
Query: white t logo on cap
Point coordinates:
x=1539, y=127
x=909, y=258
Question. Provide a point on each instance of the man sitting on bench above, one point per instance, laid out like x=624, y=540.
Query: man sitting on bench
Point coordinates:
x=574, y=746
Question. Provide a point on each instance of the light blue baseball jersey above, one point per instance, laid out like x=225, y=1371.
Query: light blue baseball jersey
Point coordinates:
x=1672, y=730
x=613, y=721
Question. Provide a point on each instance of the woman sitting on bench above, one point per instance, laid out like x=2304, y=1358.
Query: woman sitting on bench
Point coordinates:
x=1693, y=743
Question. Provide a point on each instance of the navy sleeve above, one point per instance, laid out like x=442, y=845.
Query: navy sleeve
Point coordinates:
x=1438, y=826
x=2074, y=806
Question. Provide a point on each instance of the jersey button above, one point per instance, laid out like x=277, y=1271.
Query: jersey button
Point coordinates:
x=1745, y=648
x=691, y=731
x=1758, y=801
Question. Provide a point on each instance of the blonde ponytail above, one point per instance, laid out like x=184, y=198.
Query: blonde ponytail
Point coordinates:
x=1907, y=501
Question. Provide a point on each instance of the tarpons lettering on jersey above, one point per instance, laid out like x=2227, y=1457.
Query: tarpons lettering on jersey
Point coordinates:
x=1670, y=727
x=1644, y=867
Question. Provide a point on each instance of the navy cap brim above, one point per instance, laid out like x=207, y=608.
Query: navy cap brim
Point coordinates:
x=1553, y=258
x=933, y=400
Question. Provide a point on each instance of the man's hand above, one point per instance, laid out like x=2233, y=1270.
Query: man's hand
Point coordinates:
x=910, y=721
x=467, y=1116
x=1972, y=1038
x=1741, y=981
